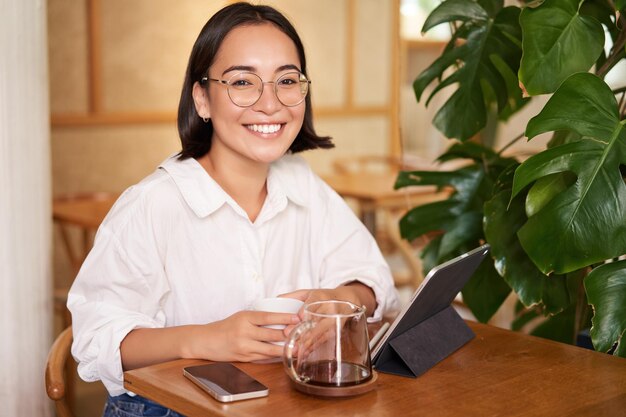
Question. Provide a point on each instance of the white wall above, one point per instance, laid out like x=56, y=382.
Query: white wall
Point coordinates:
x=25, y=225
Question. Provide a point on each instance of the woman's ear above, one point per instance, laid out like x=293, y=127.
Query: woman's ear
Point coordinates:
x=201, y=100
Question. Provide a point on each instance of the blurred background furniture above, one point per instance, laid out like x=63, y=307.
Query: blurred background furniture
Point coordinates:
x=77, y=217
x=367, y=181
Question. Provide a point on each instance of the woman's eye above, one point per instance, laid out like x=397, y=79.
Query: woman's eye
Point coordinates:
x=288, y=81
x=241, y=83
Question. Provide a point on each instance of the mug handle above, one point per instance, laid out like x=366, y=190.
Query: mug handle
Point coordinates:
x=288, y=349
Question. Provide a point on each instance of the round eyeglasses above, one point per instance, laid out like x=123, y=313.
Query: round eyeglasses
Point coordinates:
x=246, y=88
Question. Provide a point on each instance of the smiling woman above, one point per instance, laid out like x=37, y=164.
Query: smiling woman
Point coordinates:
x=243, y=118
x=234, y=217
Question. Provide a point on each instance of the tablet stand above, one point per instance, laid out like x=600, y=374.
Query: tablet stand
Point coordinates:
x=424, y=345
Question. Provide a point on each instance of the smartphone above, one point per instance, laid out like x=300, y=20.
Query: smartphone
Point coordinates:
x=225, y=382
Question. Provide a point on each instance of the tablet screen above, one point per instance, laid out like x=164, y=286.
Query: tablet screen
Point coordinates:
x=436, y=292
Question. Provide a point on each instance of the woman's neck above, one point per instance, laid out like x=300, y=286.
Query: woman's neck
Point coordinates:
x=244, y=180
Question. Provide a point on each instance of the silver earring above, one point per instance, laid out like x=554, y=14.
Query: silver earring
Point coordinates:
x=206, y=119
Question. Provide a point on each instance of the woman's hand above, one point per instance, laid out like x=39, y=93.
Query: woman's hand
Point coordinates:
x=354, y=292
x=238, y=338
x=241, y=337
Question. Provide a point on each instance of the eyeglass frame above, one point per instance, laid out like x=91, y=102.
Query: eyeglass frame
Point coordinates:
x=204, y=81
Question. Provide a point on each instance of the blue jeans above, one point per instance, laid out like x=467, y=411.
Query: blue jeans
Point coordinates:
x=126, y=406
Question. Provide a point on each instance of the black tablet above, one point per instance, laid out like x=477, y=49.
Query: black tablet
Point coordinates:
x=436, y=293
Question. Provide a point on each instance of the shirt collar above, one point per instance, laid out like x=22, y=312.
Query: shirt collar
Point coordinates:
x=204, y=196
x=283, y=180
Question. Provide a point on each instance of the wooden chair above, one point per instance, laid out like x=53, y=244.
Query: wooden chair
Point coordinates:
x=58, y=384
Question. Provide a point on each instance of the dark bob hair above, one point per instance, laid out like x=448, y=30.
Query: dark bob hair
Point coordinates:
x=195, y=134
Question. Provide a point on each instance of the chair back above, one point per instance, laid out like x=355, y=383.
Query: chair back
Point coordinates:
x=56, y=373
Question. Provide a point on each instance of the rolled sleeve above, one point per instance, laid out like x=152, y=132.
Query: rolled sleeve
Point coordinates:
x=110, y=297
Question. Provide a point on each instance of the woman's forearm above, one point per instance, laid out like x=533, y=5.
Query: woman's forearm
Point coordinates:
x=143, y=347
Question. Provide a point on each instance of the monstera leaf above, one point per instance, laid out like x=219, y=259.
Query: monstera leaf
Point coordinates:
x=606, y=291
x=440, y=215
x=502, y=220
x=559, y=40
x=485, y=51
x=586, y=222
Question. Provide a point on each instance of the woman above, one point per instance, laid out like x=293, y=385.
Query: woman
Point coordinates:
x=233, y=218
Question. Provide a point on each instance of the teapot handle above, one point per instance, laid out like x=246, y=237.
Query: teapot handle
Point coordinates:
x=288, y=360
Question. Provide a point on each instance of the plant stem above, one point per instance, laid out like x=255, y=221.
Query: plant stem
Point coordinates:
x=511, y=143
x=617, y=51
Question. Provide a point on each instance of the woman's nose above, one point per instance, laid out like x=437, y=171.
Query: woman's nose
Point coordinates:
x=268, y=102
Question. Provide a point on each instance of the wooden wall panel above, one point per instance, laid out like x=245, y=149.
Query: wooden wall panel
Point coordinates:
x=108, y=158
x=322, y=26
x=145, y=47
x=372, y=53
x=67, y=56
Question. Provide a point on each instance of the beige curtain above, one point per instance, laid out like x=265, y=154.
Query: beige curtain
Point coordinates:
x=25, y=225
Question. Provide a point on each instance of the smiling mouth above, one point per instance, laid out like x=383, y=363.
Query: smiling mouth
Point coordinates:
x=265, y=128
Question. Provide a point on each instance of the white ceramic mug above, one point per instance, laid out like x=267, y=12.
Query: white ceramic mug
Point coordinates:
x=278, y=305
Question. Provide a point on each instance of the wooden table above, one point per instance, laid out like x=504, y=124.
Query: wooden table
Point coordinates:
x=374, y=191
x=499, y=373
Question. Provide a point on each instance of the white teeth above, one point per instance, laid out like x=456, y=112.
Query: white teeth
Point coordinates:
x=264, y=128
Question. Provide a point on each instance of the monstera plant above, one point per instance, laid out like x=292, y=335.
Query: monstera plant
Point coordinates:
x=556, y=222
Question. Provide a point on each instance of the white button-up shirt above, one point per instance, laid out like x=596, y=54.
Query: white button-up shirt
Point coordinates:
x=176, y=249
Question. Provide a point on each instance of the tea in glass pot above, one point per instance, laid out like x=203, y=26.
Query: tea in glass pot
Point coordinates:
x=330, y=348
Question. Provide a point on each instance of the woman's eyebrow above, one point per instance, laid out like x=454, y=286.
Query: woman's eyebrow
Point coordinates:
x=253, y=69
x=287, y=67
x=239, y=68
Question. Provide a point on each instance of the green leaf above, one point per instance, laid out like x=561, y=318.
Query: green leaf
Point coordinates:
x=481, y=78
x=468, y=150
x=485, y=292
x=429, y=217
x=600, y=10
x=563, y=136
x=511, y=261
x=557, y=41
x=455, y=10
x=586, y=223
x=462, y=231
x=583, y=104
x=440, y=215
x=515, y=100
x=545, y=189
x=559, y=327
x=606, y=291
x=430, y=255
x=491, y=6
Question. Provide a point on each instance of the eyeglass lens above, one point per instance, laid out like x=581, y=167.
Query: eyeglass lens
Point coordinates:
x=245, y=88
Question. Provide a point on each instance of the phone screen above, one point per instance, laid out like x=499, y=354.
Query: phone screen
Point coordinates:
x=225, y=381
